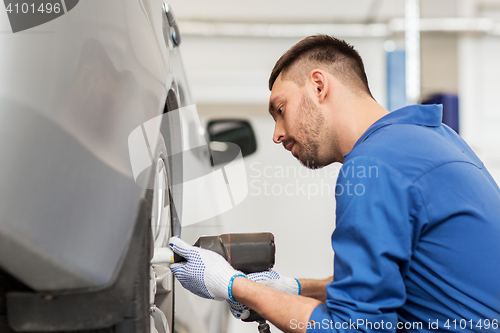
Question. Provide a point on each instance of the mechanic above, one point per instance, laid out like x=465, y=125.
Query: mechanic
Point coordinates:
x=417, y=238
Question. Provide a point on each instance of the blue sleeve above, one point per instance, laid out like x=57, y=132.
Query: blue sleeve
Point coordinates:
x=372, y=242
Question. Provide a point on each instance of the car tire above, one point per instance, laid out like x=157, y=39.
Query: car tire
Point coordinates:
x=139, y=318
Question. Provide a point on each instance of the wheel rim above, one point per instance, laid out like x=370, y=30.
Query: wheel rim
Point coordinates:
x=161, y=230
x=160, y=217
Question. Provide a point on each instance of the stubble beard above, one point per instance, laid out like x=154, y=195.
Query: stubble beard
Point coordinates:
x=310, y=126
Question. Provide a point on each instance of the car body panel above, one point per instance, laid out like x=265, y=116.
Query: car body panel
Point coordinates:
x=71, y=91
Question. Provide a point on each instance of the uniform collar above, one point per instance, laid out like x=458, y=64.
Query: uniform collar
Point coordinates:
x=422, y=115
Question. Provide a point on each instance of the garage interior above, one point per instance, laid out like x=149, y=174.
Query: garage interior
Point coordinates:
x=229, y=49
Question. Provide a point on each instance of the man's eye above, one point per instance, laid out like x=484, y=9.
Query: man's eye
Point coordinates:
x=280, y=110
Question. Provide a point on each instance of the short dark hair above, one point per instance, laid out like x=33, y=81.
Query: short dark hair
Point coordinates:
x=340, y=59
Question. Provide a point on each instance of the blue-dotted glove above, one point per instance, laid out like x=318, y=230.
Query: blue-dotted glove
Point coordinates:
x=238, y=310
x=272, y=279
x=268, y=278
x=206, y=273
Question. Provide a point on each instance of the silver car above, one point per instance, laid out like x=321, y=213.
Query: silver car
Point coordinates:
x=87, y=194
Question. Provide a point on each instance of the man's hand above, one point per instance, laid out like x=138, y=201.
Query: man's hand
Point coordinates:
x=271, y=279
x=206, y=273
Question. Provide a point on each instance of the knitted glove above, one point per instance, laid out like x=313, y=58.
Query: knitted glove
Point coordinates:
x=268, y=278
x=206, y=273
x=238, y=310
x=272, y=279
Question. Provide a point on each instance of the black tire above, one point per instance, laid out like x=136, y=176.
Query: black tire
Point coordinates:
x=137, y=319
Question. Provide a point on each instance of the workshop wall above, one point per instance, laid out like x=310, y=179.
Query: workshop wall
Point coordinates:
x=479, y=103
x=231, y=70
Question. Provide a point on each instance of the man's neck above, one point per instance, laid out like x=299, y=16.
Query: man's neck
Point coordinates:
x=364, y=114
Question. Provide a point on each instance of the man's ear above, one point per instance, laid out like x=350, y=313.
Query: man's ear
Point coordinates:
x=320, y=84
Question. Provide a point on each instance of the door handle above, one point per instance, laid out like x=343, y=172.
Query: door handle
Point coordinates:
x=175, y=34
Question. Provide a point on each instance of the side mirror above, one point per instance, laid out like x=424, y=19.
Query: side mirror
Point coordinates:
x=223, y=131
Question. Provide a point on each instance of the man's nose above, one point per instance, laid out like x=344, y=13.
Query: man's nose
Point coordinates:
x=279, y=132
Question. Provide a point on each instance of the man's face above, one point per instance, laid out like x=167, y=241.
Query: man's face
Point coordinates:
x=300, y=124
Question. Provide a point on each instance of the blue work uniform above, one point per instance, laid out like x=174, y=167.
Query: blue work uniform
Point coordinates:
x=417, y=238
